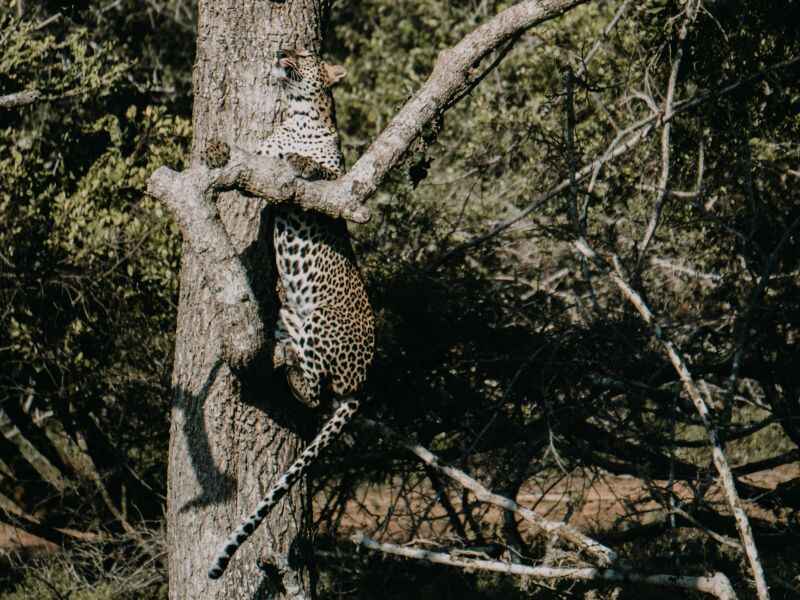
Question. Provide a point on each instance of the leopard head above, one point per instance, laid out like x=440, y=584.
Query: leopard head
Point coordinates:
x=303, y=72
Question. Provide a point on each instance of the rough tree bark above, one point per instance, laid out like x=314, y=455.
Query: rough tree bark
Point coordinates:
x=231, y=433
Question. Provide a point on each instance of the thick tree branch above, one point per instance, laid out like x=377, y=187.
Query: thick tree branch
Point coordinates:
x=277, y=181
x=716, y=585
x=189, y=194
x=453, y=72
x=186, y=196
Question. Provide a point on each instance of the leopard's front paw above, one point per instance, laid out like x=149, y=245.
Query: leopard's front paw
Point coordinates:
x=308, y=168
x=281, y=354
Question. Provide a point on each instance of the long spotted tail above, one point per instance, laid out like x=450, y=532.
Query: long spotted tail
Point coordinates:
x=327, y=434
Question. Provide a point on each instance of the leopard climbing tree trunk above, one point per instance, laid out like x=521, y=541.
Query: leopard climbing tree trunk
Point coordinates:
x=234, y=427
x=232, y=432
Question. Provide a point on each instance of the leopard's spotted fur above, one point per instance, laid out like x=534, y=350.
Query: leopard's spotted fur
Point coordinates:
x=325, y=329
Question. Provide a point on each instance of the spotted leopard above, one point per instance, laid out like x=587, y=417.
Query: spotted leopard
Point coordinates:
x=325, y=332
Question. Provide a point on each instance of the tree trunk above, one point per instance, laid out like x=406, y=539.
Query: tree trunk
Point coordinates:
x=232, y=433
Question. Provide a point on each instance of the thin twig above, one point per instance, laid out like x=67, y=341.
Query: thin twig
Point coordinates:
x=665, y=264
x=48, y=21
x=569, y=142
x=636, y=132
x=722, y=539
x=599, y=41
x=663, y=180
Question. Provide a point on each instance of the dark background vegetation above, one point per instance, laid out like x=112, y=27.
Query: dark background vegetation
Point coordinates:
x=509, y=355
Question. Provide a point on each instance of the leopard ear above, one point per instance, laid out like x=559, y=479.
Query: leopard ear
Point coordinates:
x=333, y=73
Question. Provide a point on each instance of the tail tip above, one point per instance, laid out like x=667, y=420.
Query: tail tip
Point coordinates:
x=215, y=573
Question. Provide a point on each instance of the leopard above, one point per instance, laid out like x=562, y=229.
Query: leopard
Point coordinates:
x=325, y=329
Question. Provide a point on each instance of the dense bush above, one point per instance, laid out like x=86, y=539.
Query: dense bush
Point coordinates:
x=87, y=272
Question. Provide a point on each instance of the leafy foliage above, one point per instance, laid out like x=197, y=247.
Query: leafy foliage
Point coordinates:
x=63, y=68
x=87, y=279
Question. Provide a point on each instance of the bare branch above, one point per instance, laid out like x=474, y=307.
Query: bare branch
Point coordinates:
x=678, y=268
x=663, y=181
x=671, y=193
x=631, y=136
x=603, y=37
x=722, y=539
x=716, y=585
x=48, y=21
x=603, y=555
x=569, y=142
x=718, y=453
x=19, y=99
x=45, y=466
x=452, y=72
x=276, y=181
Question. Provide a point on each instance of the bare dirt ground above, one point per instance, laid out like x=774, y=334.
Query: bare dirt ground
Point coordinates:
x=592, y=503
x=401, y=513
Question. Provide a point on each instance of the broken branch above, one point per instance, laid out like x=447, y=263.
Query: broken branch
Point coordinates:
x=716, y=585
